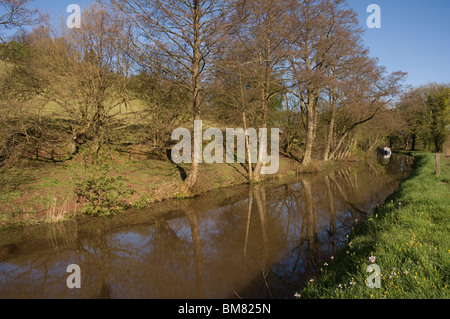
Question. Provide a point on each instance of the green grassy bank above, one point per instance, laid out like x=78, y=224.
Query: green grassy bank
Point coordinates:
x=408, y=238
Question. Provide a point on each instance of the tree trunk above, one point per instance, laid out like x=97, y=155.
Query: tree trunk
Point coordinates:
x=329, y=140
x=341, y=140
x=265, y=106
x=374, y=144
x=257, y=172
x=310, y=132
x=196, y=82
x=437, y=145
x=247, y=145
x=192, y=178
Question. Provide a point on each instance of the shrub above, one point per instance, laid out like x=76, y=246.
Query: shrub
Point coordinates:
x=104, y=195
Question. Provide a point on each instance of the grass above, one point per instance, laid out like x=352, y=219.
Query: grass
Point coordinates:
x=408, y=238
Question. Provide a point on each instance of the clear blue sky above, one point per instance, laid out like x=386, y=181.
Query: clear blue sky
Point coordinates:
x=414, y=35
x=57, y=8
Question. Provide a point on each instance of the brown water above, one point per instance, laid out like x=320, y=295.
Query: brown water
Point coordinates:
x=264, y=241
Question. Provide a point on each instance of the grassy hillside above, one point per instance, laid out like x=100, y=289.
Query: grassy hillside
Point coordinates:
x=3, y=67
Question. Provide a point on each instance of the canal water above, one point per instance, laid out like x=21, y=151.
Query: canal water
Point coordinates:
x=264, y=241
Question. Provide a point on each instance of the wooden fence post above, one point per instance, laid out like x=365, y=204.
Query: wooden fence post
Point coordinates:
x=438, y=164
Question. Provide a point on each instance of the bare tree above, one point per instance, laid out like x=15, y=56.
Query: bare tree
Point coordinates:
x=340, y=87
x=324, y=26
x=368, y=90
x=266, y=32
x=235, y=96
x=15, y=13
x=14, y=125
x=253, y=63
x=93, y=62
x=348, y=57
x=178, y=38
x=82, y=72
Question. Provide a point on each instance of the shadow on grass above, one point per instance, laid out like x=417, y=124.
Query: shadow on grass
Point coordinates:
x=182, y=171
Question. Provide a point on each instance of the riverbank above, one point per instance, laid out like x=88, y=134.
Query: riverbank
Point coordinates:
x=37, y=192
x=408, y=238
